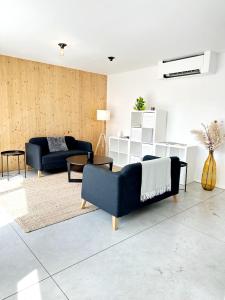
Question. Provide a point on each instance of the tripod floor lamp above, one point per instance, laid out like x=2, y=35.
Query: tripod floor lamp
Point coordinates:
x=102, y=115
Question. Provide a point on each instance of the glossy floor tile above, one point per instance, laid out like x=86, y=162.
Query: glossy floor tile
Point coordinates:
x=46, y=289
x=18, y=267
x=168, y=261
x=207, y=217
x=69, y=242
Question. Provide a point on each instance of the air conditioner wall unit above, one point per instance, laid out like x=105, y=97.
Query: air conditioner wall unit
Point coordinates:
x=202, y=63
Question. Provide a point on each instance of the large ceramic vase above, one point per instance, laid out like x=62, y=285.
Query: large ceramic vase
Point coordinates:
x=209, y=173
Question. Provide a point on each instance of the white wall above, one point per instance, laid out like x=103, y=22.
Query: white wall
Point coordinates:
x=189, y=101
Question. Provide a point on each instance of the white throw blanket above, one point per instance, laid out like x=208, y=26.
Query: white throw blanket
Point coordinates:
x=156, y=177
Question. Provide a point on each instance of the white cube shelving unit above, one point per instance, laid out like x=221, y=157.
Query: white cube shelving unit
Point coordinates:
x=147, y=131
x=147, y=127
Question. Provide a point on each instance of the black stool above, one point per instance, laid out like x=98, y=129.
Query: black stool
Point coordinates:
x=183, y=164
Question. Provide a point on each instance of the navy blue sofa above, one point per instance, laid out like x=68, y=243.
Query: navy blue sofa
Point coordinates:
x=118, y=193
x=39, y=157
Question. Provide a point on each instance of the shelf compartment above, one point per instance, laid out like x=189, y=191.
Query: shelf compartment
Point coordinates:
x=148, y=120
x=161, y=151
x=135, y=149
x=136, y=134
x=123, y=159
x=114, y=144
x=147, y=135
x=124, y=146
x=181, y=153
x=136, y=119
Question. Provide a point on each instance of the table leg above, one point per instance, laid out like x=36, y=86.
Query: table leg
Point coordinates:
x=2, y=164
x=69, y=175
x=18, y=161
x=110, y=166
x=7, y=161
x=25, y=169
x=69, y=171
x=185, y=187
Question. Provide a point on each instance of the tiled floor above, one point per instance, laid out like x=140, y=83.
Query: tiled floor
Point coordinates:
x=173, y=251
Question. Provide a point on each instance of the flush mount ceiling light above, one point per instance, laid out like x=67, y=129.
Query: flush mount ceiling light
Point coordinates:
x=111, y=58
x=62, y=46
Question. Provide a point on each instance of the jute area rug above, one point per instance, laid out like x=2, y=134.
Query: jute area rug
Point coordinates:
x=39, y=202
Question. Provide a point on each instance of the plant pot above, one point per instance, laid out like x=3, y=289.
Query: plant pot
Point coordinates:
x=209, y=173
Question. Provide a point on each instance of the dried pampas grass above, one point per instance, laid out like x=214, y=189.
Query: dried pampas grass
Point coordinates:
x=212, y=135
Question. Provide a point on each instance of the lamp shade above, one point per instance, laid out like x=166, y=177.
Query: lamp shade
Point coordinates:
x=103, y=115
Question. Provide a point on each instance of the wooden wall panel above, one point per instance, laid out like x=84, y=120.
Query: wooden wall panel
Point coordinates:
x=38, y=99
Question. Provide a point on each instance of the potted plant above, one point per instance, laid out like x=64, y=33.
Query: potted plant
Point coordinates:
x=140, y=104
x=212, y=136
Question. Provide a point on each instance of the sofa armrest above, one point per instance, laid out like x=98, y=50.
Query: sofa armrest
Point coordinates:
x=118, y=193
x=175, y=175
x=100, y=187
x=83, y=145
x=33, y=156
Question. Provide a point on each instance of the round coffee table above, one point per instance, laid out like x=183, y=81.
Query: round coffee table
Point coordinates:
x=17, y=153
x=81, y=160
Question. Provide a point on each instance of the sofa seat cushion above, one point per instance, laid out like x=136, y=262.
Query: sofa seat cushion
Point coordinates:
x=60, y=156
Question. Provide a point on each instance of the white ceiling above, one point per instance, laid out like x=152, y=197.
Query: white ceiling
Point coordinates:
x=137, y=32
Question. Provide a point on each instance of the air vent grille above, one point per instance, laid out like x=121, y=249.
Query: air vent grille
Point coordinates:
x=183, y=73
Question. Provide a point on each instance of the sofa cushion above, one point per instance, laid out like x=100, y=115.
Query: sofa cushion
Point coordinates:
x=57, y=143
x=60, y=156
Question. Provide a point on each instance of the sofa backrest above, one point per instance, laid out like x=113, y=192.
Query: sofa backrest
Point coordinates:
x=134, y=170
x=175, y=171
x=71, y=142
x=43, y=143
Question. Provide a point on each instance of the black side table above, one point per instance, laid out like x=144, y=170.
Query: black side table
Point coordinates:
x=17, y=153
x=183, y=164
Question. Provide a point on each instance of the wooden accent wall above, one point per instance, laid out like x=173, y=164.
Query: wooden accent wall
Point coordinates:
x=38, y=99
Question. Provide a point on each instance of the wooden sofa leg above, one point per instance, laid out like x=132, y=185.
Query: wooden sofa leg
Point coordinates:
x=83, y=203
x=115, y=223
x=39, y=173
x=174, y=198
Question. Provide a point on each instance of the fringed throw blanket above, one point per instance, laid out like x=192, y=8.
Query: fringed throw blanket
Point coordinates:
x=156, y=177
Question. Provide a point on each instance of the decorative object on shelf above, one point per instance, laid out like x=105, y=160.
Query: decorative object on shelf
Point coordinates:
x=152, y=108
x=102, y=115
x=212, y=136
x=140, y=104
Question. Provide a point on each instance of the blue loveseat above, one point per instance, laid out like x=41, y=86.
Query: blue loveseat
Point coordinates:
x=118, y=193
x=40, y=158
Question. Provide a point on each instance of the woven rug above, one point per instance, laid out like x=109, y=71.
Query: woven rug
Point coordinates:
x=38, y=202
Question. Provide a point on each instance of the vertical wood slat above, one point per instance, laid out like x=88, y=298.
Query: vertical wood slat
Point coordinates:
x=38, y=99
